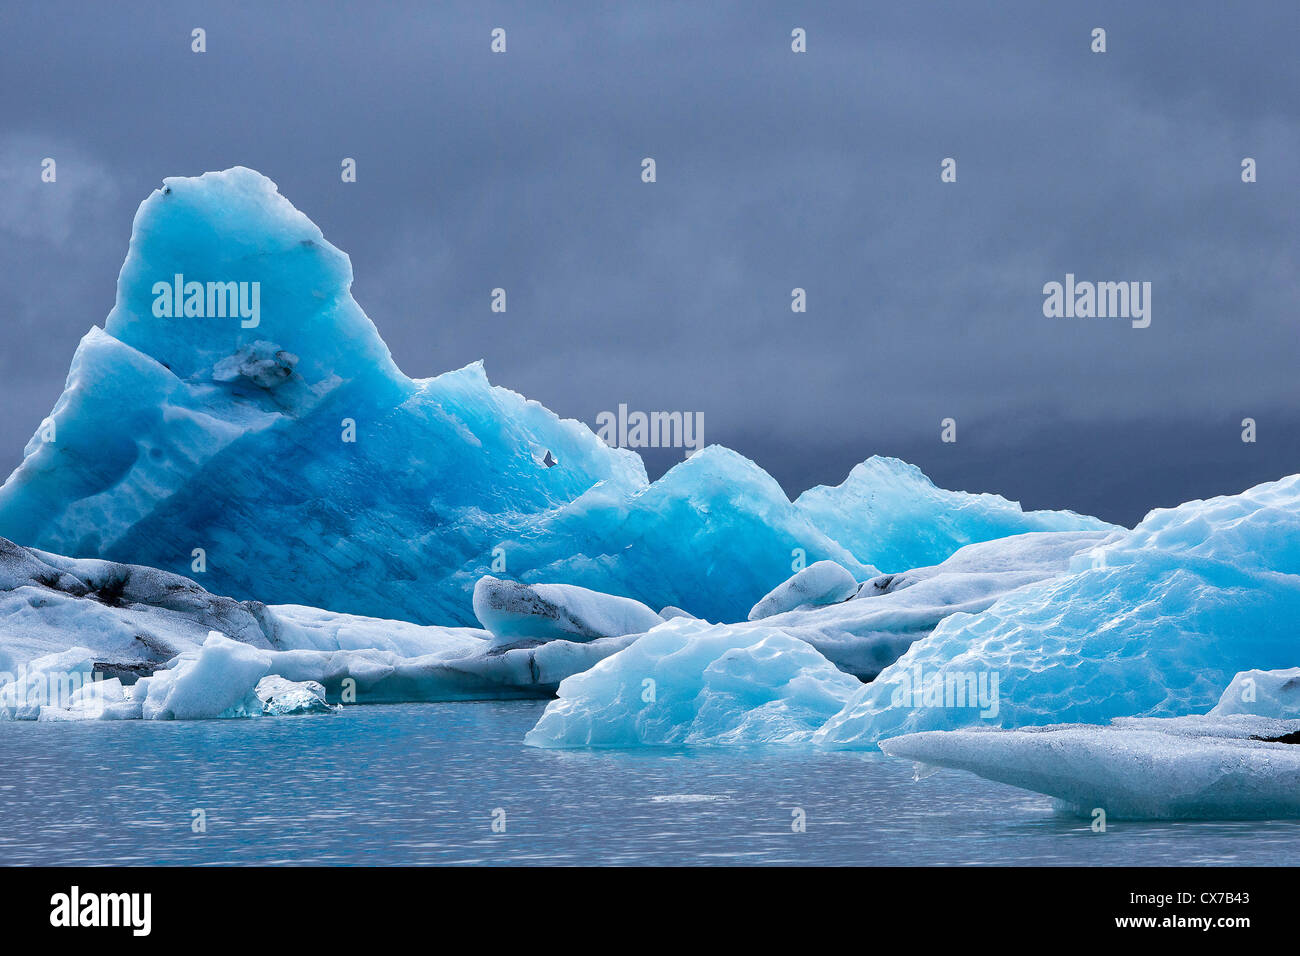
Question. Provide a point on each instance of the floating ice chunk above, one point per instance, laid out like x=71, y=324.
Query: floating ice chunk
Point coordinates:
x=888, y=513
x=97, y=700
x=1232, y=767
x=55, y=680
x=687, y=682
x=823, y=582
x=513, y=611
x=1153, y=622
x=689, y=798
x=282, y=698
x=218, y=680
x=1263, y=693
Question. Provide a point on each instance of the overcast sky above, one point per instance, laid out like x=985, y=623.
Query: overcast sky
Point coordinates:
x=775, y=170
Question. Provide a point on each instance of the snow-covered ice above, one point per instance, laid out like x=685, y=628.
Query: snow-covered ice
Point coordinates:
x=223, y=678
x=294, y=627
x=53, y=680
x=495, y=673
x=130, y=621
x=133, y=619
x=669, y=611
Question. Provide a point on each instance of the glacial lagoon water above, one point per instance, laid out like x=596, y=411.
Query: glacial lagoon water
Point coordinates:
x=419, y=784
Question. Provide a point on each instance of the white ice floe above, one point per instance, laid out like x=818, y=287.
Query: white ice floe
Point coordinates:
x=284, y=698
x=1231, y=767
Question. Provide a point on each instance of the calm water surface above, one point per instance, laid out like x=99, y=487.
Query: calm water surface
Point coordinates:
x=419, y=783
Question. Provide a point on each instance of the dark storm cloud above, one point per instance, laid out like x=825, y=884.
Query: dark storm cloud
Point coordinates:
x=775, y=170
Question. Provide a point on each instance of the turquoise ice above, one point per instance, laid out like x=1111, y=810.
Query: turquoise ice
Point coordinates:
x=1153, y=623
x=238, y=419
x=691, y=683
x=888, y=513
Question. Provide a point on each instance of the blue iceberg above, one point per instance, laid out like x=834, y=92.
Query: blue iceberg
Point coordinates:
x=690, y=683
x=1149, y=623
x=239, y=418
x=856, y=637
x=888, y=513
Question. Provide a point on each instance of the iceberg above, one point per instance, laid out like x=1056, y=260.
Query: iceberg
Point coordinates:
x=284, y=698
x=691, y=683
x=818, y=584
x=1262, y=693
x=1205, y=767
x=888, y=513
x=218, y=680
x=891, y=612
x=239, y=419
x=131, y=620
x=97, y=619
x=514, y=611
x=711, y=537
x=1149, y=623
x=858, y=637
x=223, y=678
x=293, y=456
